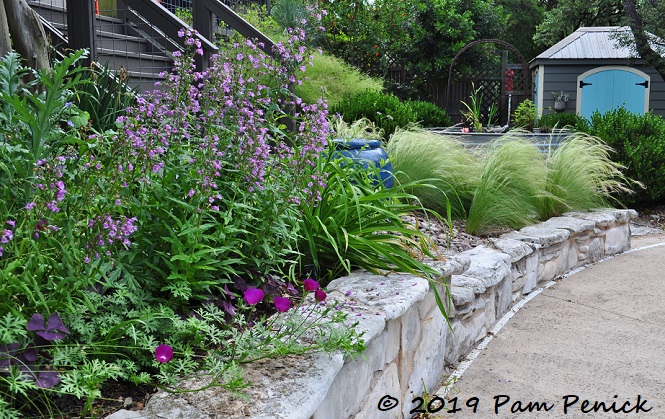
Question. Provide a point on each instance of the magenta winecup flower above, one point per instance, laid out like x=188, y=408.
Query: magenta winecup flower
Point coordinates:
x=163, y=353
x=310, y=285
x=320, y=295
x=282, y=304
x=253, y=296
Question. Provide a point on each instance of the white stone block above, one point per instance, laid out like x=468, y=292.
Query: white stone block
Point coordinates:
x=464, y=336
x=504, y=297
x=617, y=239
x=462, y=295
x=467, y=281
x=385, y=384
x=393, y=339
x=531, y=274
x=488, y=265
x=430, y=356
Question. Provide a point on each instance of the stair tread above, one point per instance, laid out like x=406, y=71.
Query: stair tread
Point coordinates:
x=130, y=54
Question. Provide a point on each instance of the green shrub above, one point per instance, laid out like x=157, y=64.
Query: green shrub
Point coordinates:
x=385, y=110
x=510, y=186
x=332, y=79
x=559, y=120
x=639, y=145
x=524, y=116
x=440, y=161
x=428, y=115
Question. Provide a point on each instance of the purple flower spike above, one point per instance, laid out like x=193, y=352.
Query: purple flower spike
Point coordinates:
x=282, y=304
x=253, y=296
x=320, y=295
x=163, y=353
x=310, y=285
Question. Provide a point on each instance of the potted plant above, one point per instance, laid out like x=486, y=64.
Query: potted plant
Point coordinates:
x=560, y=99
x=362, y=141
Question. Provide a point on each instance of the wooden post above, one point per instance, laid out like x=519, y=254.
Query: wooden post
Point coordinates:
x=79, y=26
x=202, y=22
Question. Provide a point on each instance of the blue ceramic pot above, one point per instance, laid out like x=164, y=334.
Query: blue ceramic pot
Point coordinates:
x=367, y=152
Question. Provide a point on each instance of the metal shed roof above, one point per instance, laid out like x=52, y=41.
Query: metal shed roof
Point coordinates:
x=591, y=43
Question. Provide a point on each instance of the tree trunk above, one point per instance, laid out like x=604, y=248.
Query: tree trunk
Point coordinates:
x=652, y=58
x=26, y=32
x=5, y=41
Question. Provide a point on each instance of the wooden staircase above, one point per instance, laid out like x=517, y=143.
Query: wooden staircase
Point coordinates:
x=138, y=36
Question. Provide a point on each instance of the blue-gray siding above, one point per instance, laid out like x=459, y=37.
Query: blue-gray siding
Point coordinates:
x=563, y=77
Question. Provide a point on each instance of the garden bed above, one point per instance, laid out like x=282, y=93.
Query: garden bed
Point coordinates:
x=409, y=345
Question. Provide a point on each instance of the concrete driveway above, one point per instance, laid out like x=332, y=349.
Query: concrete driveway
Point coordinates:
x=590, y=346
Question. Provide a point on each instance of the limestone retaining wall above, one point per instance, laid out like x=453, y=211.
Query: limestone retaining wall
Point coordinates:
x=408, y=340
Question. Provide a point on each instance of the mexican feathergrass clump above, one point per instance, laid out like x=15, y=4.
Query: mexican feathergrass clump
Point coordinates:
x=580, y=175
x=509, y=184
x=441, y=162
x=510, y=187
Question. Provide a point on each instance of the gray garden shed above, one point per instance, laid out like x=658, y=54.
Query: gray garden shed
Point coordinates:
x=597, y=74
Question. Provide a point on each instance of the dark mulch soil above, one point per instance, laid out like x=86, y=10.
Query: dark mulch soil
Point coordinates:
x=651, y=216
x=115, y=396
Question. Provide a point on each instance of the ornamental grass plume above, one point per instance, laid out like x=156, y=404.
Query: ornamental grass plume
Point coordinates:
x=511, y=187
x=581, y=176
x=439, y=160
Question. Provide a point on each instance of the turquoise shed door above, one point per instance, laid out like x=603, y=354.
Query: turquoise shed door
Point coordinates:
x=606, y=89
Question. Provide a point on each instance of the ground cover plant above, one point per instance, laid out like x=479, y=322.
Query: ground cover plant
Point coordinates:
x=145, y=251
x=511, y=183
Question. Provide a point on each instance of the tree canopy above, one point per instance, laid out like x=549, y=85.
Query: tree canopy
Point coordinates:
x=569, y=15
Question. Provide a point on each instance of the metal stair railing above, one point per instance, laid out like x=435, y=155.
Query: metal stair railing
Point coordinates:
x=162, y=25
x=149, y=20
x=203, y=12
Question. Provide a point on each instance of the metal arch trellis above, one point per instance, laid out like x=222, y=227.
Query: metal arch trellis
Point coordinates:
x=520, y=57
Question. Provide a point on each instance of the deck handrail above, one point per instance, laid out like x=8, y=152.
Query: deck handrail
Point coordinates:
x=164, y=25
x=167, y=23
